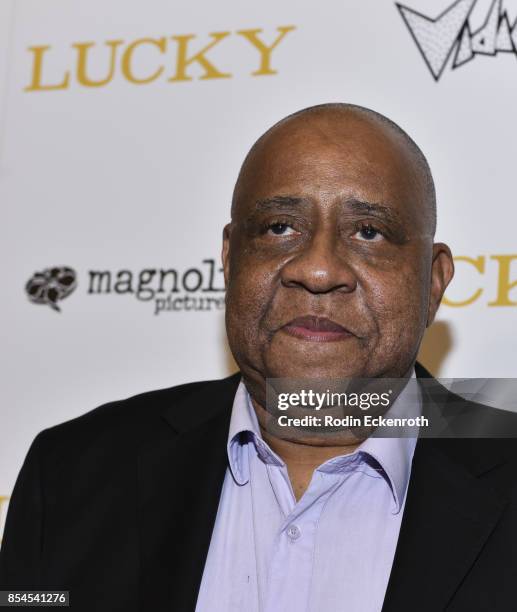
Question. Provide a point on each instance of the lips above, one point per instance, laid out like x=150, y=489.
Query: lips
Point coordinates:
x=316, y=329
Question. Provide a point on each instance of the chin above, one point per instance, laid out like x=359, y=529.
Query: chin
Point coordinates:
x=288, y=357
x=311, y=369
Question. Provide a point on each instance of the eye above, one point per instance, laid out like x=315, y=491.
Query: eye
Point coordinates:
x=369, y=233
x=280, y=229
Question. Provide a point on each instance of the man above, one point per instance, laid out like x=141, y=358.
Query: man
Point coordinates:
x=186, y=499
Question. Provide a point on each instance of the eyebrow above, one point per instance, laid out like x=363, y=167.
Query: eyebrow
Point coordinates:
x=277, y=202
x=373, y=208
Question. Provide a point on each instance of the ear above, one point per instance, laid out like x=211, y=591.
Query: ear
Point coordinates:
x=225, y=253
x=442, y=272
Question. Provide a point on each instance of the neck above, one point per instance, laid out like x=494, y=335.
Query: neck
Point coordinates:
x=301, y=458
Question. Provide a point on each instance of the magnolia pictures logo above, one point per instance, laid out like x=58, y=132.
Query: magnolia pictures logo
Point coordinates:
x=197, y=288
x=452, y=33
x=51, y=286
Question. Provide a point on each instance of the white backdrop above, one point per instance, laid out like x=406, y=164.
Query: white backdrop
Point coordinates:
x=135, y=177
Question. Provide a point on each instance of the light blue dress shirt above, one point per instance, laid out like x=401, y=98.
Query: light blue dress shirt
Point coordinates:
x=331, y=551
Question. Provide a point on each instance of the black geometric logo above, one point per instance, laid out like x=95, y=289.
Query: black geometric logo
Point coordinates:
x=51, y=286
x=437, y=38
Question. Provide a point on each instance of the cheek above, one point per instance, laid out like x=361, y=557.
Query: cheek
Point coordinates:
x=248, y=295
x=398, y=303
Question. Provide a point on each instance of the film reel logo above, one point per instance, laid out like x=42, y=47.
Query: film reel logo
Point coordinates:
x=51, y=286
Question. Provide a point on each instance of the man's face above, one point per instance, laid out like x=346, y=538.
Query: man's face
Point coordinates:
x=329, y=262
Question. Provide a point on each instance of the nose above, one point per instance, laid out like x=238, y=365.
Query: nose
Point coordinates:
x=319, y=268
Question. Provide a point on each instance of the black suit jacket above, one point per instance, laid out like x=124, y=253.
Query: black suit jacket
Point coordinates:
x=117, y=506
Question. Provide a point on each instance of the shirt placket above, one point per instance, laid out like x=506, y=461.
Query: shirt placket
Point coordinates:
x=291, y=565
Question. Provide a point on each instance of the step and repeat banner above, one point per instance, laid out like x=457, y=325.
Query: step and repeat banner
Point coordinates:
x=122, y=128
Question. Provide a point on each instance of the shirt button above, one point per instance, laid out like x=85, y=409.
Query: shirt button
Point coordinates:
x=293, y=532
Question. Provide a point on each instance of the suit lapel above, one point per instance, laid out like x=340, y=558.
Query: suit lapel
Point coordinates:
x=450, y=512
x=180, y=475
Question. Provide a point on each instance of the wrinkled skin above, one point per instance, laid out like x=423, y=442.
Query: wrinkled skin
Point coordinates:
x=374, y=271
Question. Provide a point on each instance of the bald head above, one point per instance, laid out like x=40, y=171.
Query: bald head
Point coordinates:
x=342, y=125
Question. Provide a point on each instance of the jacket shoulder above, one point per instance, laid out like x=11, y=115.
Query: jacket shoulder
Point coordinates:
x=129, y=418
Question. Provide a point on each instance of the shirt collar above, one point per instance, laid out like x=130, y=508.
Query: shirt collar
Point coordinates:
x=244, y=428
x=395, y=454
x=391, y=456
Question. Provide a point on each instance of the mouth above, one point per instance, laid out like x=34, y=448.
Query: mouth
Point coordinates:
x=316, y=329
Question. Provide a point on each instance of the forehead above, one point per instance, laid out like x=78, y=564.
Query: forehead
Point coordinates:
x=330, y=158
